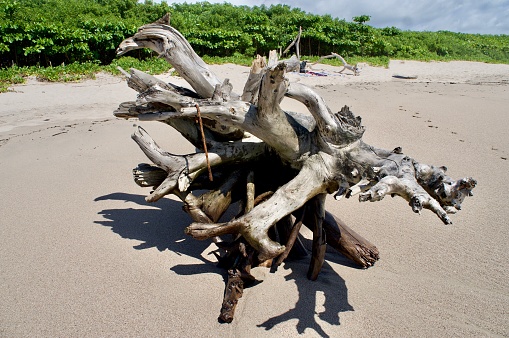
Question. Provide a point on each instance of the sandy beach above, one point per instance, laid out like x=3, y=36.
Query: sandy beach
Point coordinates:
x=83, y=255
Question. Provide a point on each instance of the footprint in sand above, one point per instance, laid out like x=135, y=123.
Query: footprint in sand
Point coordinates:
x=496, y=149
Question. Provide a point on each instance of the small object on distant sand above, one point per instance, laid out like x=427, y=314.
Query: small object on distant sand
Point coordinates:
x=405, y=77
x=355, y=69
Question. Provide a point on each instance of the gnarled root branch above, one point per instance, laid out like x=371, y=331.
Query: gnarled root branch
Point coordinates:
x=302, y=157
x=182, y=170
x=421, y=185
x=255, y=225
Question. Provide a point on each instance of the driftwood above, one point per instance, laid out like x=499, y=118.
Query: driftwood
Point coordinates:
x=279, y=165
x=296, y=43
x=355, y=69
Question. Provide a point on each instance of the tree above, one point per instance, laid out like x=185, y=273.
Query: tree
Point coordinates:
x=361, y=19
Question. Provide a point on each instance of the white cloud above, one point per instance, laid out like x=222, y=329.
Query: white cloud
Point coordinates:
x=467, y=16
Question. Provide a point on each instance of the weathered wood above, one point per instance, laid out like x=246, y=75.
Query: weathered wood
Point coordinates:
x=329, y=157
x=296, y=160
x=146, y=108
x=170, y=44
x=316, y=208
x=250, y=193
x=254, y=226
x=182, y=170
x=296, y=43
x=204, y=142
x=252, y=86
x=215, y=202
x=346, y=241
x=355, y=69
x=292, y=238
x=232, y=293
x=342, y=238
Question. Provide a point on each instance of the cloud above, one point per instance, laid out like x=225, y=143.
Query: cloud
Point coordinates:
x=466, y=16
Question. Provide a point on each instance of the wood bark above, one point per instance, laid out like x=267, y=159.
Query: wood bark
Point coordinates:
x=290, y=161
x=233, y=291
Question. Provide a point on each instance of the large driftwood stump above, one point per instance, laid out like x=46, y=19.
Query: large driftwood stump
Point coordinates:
x=279, y=165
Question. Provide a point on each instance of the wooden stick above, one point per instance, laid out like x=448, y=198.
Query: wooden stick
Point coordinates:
x=319, y=243
x=295, y=42
x=211, y=178
x=233, y=291
x=250, y=193
x=291, y=240
x=263, y=197
x=356, y=70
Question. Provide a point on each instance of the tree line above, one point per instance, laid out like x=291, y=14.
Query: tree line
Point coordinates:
x=52, y=32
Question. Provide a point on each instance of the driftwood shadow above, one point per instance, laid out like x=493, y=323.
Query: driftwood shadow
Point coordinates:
x=162, y=226
x=329, y=284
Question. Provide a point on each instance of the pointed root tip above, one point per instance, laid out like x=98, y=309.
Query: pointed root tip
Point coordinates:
x=363, y=197
x=138, y=130
x=225, y=318
x=153, y=198
x=201, y=231
x=122, y=70
x=469, y=182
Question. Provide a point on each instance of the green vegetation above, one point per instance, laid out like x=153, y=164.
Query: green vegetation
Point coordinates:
x=59, y=40
x=78, y=71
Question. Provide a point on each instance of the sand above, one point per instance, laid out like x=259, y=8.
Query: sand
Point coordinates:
x=83, y=255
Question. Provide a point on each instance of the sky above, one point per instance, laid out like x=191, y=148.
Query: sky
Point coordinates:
x=465, y=16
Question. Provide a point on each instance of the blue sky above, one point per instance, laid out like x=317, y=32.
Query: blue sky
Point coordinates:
x=466, y=16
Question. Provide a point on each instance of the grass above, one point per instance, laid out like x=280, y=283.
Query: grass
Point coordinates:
x=236, y=58
x=80, y=71
x=63, y=73
x=77, y=72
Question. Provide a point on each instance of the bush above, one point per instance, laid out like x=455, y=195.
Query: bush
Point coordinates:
x=54, y=32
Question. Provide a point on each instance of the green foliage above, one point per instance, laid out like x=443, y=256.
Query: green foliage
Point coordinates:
x=66, y=73
x=361, y=19
x=47, y=33
x=10, y=76
x=62, y=73
x=52, y=32
x=79, y=71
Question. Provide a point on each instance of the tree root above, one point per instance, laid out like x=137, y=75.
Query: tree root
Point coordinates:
x=293, y=160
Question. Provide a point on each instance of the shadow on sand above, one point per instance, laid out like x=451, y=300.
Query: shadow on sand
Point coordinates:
x=162, y=226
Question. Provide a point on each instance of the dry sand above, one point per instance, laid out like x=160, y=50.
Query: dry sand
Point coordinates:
x=82, y=254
